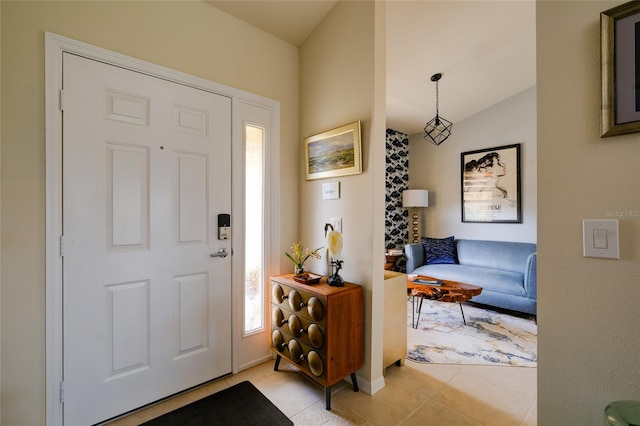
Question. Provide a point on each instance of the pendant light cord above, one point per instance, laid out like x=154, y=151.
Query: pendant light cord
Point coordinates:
x=437, y=99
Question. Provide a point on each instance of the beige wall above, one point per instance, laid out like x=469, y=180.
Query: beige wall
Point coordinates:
x=188, y=36
x=588, y=310
x=588, y=314
x=337, y=87
x=0, y=202
x=437, y=168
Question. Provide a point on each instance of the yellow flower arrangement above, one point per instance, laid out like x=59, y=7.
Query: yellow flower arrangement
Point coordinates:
x=300, y=255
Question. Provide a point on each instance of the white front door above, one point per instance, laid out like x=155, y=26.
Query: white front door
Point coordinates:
x=146, y=171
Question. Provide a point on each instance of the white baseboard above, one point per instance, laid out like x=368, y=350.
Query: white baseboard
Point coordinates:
x=367, y=386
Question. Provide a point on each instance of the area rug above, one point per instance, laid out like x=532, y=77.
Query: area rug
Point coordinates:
x=489, y=338
x=241, y=404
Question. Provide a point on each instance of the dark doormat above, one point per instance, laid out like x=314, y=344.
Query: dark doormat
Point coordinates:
x=241, y=404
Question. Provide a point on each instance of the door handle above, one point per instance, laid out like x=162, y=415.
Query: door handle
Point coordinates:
x=221, y=253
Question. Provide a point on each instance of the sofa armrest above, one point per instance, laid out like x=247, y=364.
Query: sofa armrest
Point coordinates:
x=415, y=256
x=531, y=276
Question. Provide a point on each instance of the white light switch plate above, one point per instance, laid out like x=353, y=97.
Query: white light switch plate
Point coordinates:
x=336, y=222
x=600, y=238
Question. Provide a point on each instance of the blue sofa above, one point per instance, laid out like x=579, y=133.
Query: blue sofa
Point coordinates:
x=506, y=271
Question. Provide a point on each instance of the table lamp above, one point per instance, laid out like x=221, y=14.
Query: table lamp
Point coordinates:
x=334, y=241
x=414, y=198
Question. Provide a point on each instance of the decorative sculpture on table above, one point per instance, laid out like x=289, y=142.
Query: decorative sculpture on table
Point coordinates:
x=334, y=242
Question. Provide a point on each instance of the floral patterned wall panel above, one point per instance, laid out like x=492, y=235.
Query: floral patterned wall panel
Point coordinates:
x=397, y=180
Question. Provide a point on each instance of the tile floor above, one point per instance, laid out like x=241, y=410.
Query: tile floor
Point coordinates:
x=415, y=394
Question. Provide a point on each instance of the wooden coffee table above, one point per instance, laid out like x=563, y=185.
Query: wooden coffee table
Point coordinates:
x=448, y=291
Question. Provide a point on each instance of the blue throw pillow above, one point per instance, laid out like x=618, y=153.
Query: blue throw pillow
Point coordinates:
x=440, y=250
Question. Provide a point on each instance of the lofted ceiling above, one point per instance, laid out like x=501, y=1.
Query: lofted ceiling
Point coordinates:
x=485, y=51
x=289, y=20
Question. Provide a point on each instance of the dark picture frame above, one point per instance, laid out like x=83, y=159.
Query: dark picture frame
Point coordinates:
x=490, y=185
x=336, y=152
x=620, y=68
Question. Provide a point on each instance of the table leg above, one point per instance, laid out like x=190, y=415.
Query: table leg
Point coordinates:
x=277, y=364
x=413, y=310
x=327, y=397
x=355, y=382
x=461, y=311
x=419, y=310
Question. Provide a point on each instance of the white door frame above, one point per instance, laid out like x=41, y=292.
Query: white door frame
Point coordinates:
x=55, y=45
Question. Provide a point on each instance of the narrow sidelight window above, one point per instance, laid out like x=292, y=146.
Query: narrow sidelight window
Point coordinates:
x=254, y=270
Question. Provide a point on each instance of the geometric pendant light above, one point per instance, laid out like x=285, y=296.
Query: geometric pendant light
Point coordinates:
x=437, y=130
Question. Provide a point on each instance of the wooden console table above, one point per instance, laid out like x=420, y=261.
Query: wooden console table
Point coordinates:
x=319, y=329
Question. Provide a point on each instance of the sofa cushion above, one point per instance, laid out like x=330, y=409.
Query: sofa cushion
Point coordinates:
x=440, y=250
x=495, y=279
x=508, y=256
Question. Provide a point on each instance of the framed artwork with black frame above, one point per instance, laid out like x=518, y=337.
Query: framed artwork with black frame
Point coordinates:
x=490, y=185
x=620, y=68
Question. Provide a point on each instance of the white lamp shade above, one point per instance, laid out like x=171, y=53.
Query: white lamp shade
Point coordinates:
x=415, y=198
x=334, y=241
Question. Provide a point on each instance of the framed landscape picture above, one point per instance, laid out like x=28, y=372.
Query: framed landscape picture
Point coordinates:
x=620, y=68
x=336, y=152
x=490, y=185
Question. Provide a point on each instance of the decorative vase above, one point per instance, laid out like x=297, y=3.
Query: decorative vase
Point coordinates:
x=298, y=269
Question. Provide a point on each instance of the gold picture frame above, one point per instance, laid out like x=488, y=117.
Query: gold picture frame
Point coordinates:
x=619, y=57
x=336, y=152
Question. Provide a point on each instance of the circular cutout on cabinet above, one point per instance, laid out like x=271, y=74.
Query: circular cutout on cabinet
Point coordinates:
x=277, y=293
x=295, y=351
x=315, y=336
x=315, y=363
x=277, y=340
x=277, y=317
x=294, y=325
x=294, y=300
x=314, y=306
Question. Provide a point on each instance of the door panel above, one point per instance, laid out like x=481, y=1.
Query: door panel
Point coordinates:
x=128, y=184
x=128, y=330
x=191, y=325
x=146, y=171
